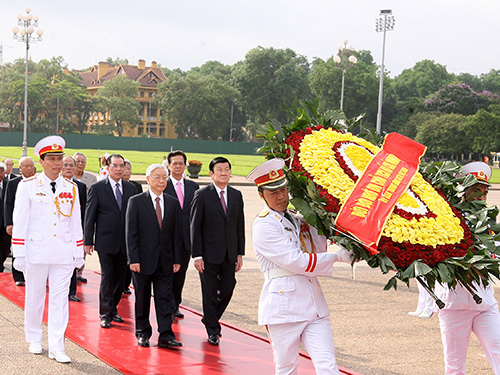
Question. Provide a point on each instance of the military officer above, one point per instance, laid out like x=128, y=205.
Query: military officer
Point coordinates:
x=47, y=243
x=461, y=314
x=291, y=254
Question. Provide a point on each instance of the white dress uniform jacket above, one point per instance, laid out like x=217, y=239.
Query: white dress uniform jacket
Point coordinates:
x=298, y=296
x=56, y=236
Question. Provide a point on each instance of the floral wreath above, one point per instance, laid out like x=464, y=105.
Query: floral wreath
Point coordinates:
x=426, y=234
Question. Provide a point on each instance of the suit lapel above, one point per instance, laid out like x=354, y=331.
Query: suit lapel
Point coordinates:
x=148, y=203
x=216, y=198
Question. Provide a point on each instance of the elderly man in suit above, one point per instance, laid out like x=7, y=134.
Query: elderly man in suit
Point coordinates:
x=27, y=168
x=80, y=174
x=105, y=220
x=182, y=189
x=217, y=243
x=153, y=235
x=9, y=165
x=47, y=242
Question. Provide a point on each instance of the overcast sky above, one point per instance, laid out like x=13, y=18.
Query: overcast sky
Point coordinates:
x=460, y=34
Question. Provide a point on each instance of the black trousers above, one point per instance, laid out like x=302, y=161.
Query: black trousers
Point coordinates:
x=217, y=286
x=180, y=276
x=164, y=303
x=72, y=284
x=5, y=241
x=110, y=290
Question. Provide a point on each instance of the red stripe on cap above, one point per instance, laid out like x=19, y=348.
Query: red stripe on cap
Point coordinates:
x=272, y=176
x=51, y=148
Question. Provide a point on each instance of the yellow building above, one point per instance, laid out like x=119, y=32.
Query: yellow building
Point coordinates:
x=148, y=78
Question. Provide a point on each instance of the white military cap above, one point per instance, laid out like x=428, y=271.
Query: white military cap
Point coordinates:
x=481, y=171
x=52, y=144
x=269, y=175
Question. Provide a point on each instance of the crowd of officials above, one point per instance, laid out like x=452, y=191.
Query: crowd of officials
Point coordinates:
x=53, y=220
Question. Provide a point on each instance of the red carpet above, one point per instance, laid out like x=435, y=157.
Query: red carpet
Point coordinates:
x=240, y=351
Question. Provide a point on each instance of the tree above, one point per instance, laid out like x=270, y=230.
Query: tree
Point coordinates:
x=425, y=78
x=483, y=131
x=269, y=78
x=117, y=61
x=491, y=81
x=459, y=98
x=198, y=105
x=411, y=127
x=361, y=86
x=444, y=135
x=118, y=99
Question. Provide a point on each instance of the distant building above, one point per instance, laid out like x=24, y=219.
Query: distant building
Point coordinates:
x=148, y=78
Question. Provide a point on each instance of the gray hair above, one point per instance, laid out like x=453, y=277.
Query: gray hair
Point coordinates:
x=2, y=166
x=126, y=161
x=79, y=154
x=152, y=167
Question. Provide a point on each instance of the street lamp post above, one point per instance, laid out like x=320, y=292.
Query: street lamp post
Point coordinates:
x=345, y=60
x=231, y=124
x=25, y=35
x=383, y=24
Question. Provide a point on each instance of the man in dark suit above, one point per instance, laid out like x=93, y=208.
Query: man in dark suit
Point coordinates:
x=217, y=243
x=68, y=172
x=105, y=218
x=152, y=230
x=9, y=165
x=182, y=189
x=27, y=168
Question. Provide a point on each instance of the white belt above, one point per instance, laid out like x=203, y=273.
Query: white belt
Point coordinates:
x=278, y=272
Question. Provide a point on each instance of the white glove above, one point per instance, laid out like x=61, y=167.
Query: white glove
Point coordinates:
x=20, y=264
x=343, y=255
x=79, y=262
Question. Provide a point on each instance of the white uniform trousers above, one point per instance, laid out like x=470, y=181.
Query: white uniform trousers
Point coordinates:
x=59, y=276
x=456, y=326
x=317, y=338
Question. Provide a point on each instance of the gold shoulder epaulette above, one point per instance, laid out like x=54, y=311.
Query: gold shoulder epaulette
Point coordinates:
x=28, y=179
x=263, y=213
x=71, y=182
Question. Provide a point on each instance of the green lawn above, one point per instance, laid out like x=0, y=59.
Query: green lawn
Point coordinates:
x=495, y=176
x=241, y=164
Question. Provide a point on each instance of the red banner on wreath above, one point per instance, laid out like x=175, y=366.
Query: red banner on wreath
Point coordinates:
x=376, y=192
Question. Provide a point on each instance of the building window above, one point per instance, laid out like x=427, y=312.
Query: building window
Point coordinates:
x=142, y=94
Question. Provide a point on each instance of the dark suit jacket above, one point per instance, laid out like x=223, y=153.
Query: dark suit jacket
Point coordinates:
x=189, y=188
x=9, y=200
x=137, y=185
x=2, y=203
x=213, y=235
x=103, y=218
x=146, y=243
x=82, y=194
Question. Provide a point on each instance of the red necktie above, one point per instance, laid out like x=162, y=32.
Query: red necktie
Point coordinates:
x=223, y=201
x=158, y=211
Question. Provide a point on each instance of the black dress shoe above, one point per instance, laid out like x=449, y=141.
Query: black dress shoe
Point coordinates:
x=178, y=314
x=105, y=323
x=20, y=283
x=81, y=279
x=170, y=344
x=117, y=318
x=143, y=341
x=127, y=291
x=213, y=340
x=74, y=298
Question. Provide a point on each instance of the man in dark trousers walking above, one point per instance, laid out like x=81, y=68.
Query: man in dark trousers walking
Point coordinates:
x=182, y=189
x=218, y=243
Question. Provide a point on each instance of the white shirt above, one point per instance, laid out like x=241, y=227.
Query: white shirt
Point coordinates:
x=153, y=198
x=219, y=190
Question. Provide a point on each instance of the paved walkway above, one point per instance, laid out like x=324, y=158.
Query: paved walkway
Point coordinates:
x=373, y=333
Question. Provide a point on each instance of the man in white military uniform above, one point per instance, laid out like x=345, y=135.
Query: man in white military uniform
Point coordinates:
x=47, y=243
x=461, y=314
x=291, y=254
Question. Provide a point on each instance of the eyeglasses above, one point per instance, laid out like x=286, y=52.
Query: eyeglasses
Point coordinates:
x=159, y=178
x=119, y=166
x=68, y=165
